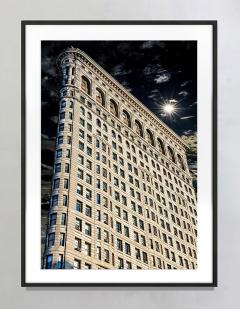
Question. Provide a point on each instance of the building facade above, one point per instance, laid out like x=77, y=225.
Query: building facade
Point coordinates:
x=122, y=194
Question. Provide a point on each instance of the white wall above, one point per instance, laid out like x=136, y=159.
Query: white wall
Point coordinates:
x=227, y=12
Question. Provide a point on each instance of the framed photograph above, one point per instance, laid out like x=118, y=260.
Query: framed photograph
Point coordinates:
x=119, y=158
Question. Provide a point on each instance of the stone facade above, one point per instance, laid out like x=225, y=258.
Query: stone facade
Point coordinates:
x=122, y=195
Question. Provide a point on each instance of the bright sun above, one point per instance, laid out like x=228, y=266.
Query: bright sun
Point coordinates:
x=169, y=108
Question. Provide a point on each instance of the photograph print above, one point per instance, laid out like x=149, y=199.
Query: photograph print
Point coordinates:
x=119, y=160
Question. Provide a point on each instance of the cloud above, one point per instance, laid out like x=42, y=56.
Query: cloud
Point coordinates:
x=162, y=78
x=151, y=69
x=157, y=73
x=125, y=84
x=194, y=103
x=151, y=44
x=44, y=103
x=54, y=119
x=187, y=117
x=191, y=141
x=185, y=83
x=119, y=70
x=188, y=132
x=183, y=93
x=48, y=66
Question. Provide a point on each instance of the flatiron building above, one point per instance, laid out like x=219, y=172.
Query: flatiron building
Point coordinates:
x=122, y=194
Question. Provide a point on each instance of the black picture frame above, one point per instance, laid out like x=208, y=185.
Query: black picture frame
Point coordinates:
x=25, y=23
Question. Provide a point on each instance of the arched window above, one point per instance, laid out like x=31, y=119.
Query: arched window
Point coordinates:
x=82, y=111
x=105, y=128
x=100, y=97
x=113, y=134
x=98, y=123
x=126, y=118
x=171, y=154
x=161, y=145
x=180, y=161
x=149, y=137
x=113, y=108
x=138, y=128
x=89, y=116
x=86, y=86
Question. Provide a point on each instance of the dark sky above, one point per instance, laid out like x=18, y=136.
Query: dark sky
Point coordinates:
x=153, y=71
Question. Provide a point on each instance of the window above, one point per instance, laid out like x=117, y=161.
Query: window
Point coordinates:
x=89, y=127
x=58, y=168
x=79, y=189
x=76, y=264
x=100, y=97
x=141, y=224
x=77, y=244
x=86, y=85
x=88, y=229
x=143, y=240
x=87, y=249
x=65, y=183
x=67, y=167
x=125, y=215
x=62, y=115
x=88, y=194
x=127, y=249
x=105, y=218
x=98, y=233
x=126, y=118
x=69, y=140
x=116, y=196
x=80, y=173
x=88, y=211
x=62, y=239
x=54, y=200
x=53, y=219
x=63, y=104
x=78, y=224
x=60, y=140
x=89, y=179
x=171, y=154
x=128, y=265
x=89, y=164
x=120, y=263
x=124, y=200
x=145, y=257
x=106, y=256
x=51, y=239
x=138, y=128
x=98, y=199
x=79, y=206
x=119, y=245
x=56, y=183
x=137, y=254
x=106, y=236
x=113, y=108
x=126, y=231
x=49, y=259
x=59, y=153
x=118, y=227
x=63, y=219
x=81, y=133
x=89, y=139
x=116, y=182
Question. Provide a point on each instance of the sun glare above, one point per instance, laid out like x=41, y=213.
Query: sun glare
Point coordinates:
x=169, y=108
